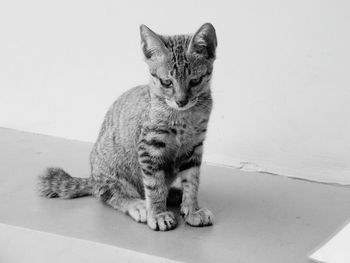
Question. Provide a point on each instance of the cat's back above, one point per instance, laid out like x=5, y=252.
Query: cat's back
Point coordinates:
x=115, y=145
x=132, y=103
x=128, y=109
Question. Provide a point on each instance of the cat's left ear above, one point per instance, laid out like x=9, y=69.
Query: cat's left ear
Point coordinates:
x=204, y=41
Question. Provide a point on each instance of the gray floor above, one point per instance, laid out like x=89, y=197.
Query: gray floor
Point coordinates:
x=259, y=217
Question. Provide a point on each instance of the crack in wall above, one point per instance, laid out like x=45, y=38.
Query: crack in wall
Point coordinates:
x=248, y=166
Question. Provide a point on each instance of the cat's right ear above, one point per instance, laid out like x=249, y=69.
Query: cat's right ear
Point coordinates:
x=152, y=45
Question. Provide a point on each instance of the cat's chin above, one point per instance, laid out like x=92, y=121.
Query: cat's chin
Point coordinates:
x=173, y=105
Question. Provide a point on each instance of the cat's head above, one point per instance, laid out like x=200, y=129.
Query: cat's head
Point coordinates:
x=180, y=65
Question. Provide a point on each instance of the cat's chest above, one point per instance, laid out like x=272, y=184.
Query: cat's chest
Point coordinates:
x=185, y=131
x=189, y=126
x=189, y=130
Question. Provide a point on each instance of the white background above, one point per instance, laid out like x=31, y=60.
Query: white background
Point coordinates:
x=281, y=85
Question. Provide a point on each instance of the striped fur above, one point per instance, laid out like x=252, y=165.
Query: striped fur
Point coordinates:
x=152, y=135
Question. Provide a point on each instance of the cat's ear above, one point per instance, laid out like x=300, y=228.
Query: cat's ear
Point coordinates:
x=204, y=41
x=152, y=45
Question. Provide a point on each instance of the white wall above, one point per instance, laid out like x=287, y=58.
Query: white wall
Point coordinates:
x=281, y=86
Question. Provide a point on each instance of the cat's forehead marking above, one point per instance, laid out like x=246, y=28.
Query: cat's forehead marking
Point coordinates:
x=180, y=66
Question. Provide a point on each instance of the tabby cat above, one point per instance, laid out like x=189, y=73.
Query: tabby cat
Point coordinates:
x=152, y=135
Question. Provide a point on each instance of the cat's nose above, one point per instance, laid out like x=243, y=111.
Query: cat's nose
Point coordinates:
x=181, y=103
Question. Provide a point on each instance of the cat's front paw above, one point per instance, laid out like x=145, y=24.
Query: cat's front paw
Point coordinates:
x=200, y=217
x=163, y=221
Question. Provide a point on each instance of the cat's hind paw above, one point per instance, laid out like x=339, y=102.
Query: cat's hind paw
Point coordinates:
x=138, y=211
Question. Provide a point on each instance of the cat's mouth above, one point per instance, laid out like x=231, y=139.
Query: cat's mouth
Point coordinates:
x=189, y=105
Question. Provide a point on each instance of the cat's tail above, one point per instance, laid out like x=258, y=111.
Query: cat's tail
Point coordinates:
x=55, y=182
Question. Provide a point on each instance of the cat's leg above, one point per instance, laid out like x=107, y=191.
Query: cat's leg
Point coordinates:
x=121, y=195
x=189, y=173
x=157, y=149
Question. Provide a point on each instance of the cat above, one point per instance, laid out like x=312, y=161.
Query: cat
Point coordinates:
x=151, y=135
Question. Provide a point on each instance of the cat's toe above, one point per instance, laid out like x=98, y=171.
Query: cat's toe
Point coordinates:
x=201, y=217
x=138, y=212
x=163, y=221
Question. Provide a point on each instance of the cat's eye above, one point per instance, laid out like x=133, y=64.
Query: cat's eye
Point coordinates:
x=195, y=82
x=167, y=83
